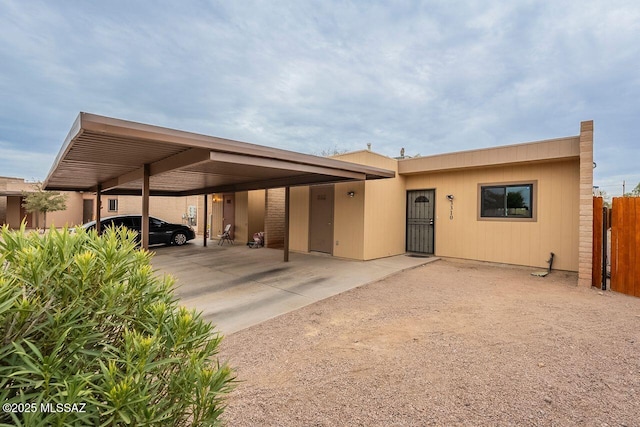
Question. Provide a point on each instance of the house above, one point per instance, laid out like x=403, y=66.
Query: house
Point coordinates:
x=514, y=204
x=12, y=213
x=81, y=207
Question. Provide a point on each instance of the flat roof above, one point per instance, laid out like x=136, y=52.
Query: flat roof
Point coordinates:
x=112, y=153
x=531, y=152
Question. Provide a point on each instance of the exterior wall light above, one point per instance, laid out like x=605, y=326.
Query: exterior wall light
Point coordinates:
x=351, y=193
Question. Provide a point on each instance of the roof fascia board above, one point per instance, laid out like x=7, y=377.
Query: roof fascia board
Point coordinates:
x=533, y=152
x=242, y=160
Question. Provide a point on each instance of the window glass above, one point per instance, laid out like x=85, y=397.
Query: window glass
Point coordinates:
x=519, y=201
x=493, y=201
x=118, y=222
x=154, y=223
x=506, y=201
x=113, y=205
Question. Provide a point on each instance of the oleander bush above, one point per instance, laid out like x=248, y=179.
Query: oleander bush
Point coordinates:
x=84, y=321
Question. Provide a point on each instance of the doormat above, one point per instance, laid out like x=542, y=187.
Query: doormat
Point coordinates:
x=418, y=256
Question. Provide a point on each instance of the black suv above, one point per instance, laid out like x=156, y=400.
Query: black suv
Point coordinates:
x=159, y=231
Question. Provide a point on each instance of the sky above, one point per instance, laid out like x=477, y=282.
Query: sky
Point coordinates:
x=317, y=76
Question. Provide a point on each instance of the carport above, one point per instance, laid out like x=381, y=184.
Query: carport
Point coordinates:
x=110, y=156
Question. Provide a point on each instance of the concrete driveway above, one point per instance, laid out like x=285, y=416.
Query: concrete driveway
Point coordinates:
x=236, y=287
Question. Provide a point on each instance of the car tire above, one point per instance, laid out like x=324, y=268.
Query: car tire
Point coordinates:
x=179, y=239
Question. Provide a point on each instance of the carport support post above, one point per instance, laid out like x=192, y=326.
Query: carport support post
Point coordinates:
x=287, y=191
x=144, y=226
x=206, y=220
x=98, y=207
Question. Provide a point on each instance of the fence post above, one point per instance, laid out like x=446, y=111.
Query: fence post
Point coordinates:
x=596, y=254
x=605, y=227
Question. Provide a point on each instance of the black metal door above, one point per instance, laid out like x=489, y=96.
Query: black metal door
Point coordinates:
x=420, y=220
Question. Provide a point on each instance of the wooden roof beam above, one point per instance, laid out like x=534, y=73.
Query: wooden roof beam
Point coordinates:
x=186, y=158
x=242, y=160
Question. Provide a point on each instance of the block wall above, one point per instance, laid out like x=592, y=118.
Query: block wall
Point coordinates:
x=585, y=231
x=274, y=218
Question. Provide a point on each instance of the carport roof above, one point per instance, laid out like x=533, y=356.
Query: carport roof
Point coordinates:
x=113, y=153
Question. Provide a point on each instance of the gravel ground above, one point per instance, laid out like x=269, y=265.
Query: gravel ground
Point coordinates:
x=449, y=343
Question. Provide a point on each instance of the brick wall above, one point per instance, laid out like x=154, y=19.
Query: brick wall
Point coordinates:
x=585, y=232
x=274, y=218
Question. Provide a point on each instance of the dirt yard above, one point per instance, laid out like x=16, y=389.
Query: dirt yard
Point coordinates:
x=449, y=343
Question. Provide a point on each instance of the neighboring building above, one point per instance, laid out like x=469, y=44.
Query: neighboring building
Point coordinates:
x=81, y=207
x=12, y=213
x=514, y=204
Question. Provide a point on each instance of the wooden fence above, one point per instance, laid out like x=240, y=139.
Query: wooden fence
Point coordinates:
x=625, y=245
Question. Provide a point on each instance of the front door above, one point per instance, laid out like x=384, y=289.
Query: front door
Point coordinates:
x=228, y=212
x=420, y=221
x=321, y=219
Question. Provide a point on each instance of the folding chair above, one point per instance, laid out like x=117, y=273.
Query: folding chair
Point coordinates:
x=225, y=236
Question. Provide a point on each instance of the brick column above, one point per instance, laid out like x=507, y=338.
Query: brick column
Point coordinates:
x=274, y=218
x=585, y=232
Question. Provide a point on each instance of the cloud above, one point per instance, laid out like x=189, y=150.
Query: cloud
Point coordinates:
x=428, y=76
x=20, y=163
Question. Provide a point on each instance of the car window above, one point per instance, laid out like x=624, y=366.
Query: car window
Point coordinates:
x=155, y=223
x=118, y=222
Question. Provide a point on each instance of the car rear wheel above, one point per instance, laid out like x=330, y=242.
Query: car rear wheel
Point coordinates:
x=179, y=239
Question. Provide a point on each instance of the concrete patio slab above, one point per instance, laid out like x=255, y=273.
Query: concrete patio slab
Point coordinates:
x=236, y=287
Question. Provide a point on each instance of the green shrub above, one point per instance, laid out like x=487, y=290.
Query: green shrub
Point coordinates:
x=84, y=321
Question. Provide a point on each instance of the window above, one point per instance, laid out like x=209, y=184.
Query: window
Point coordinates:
x=118, y=222
x=155, y=223
x=113, y=205
x=506, y=201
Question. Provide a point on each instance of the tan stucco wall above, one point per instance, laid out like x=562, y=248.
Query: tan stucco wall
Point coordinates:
x=385, y=218
x=13, y=219
x=512, y=242
x=249, y=214
x=348, y=220
x=299, y=219
x=71, y=216
x=256, y=218
x=383, y=211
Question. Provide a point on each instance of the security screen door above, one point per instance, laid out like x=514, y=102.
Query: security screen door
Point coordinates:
x=420, y=220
